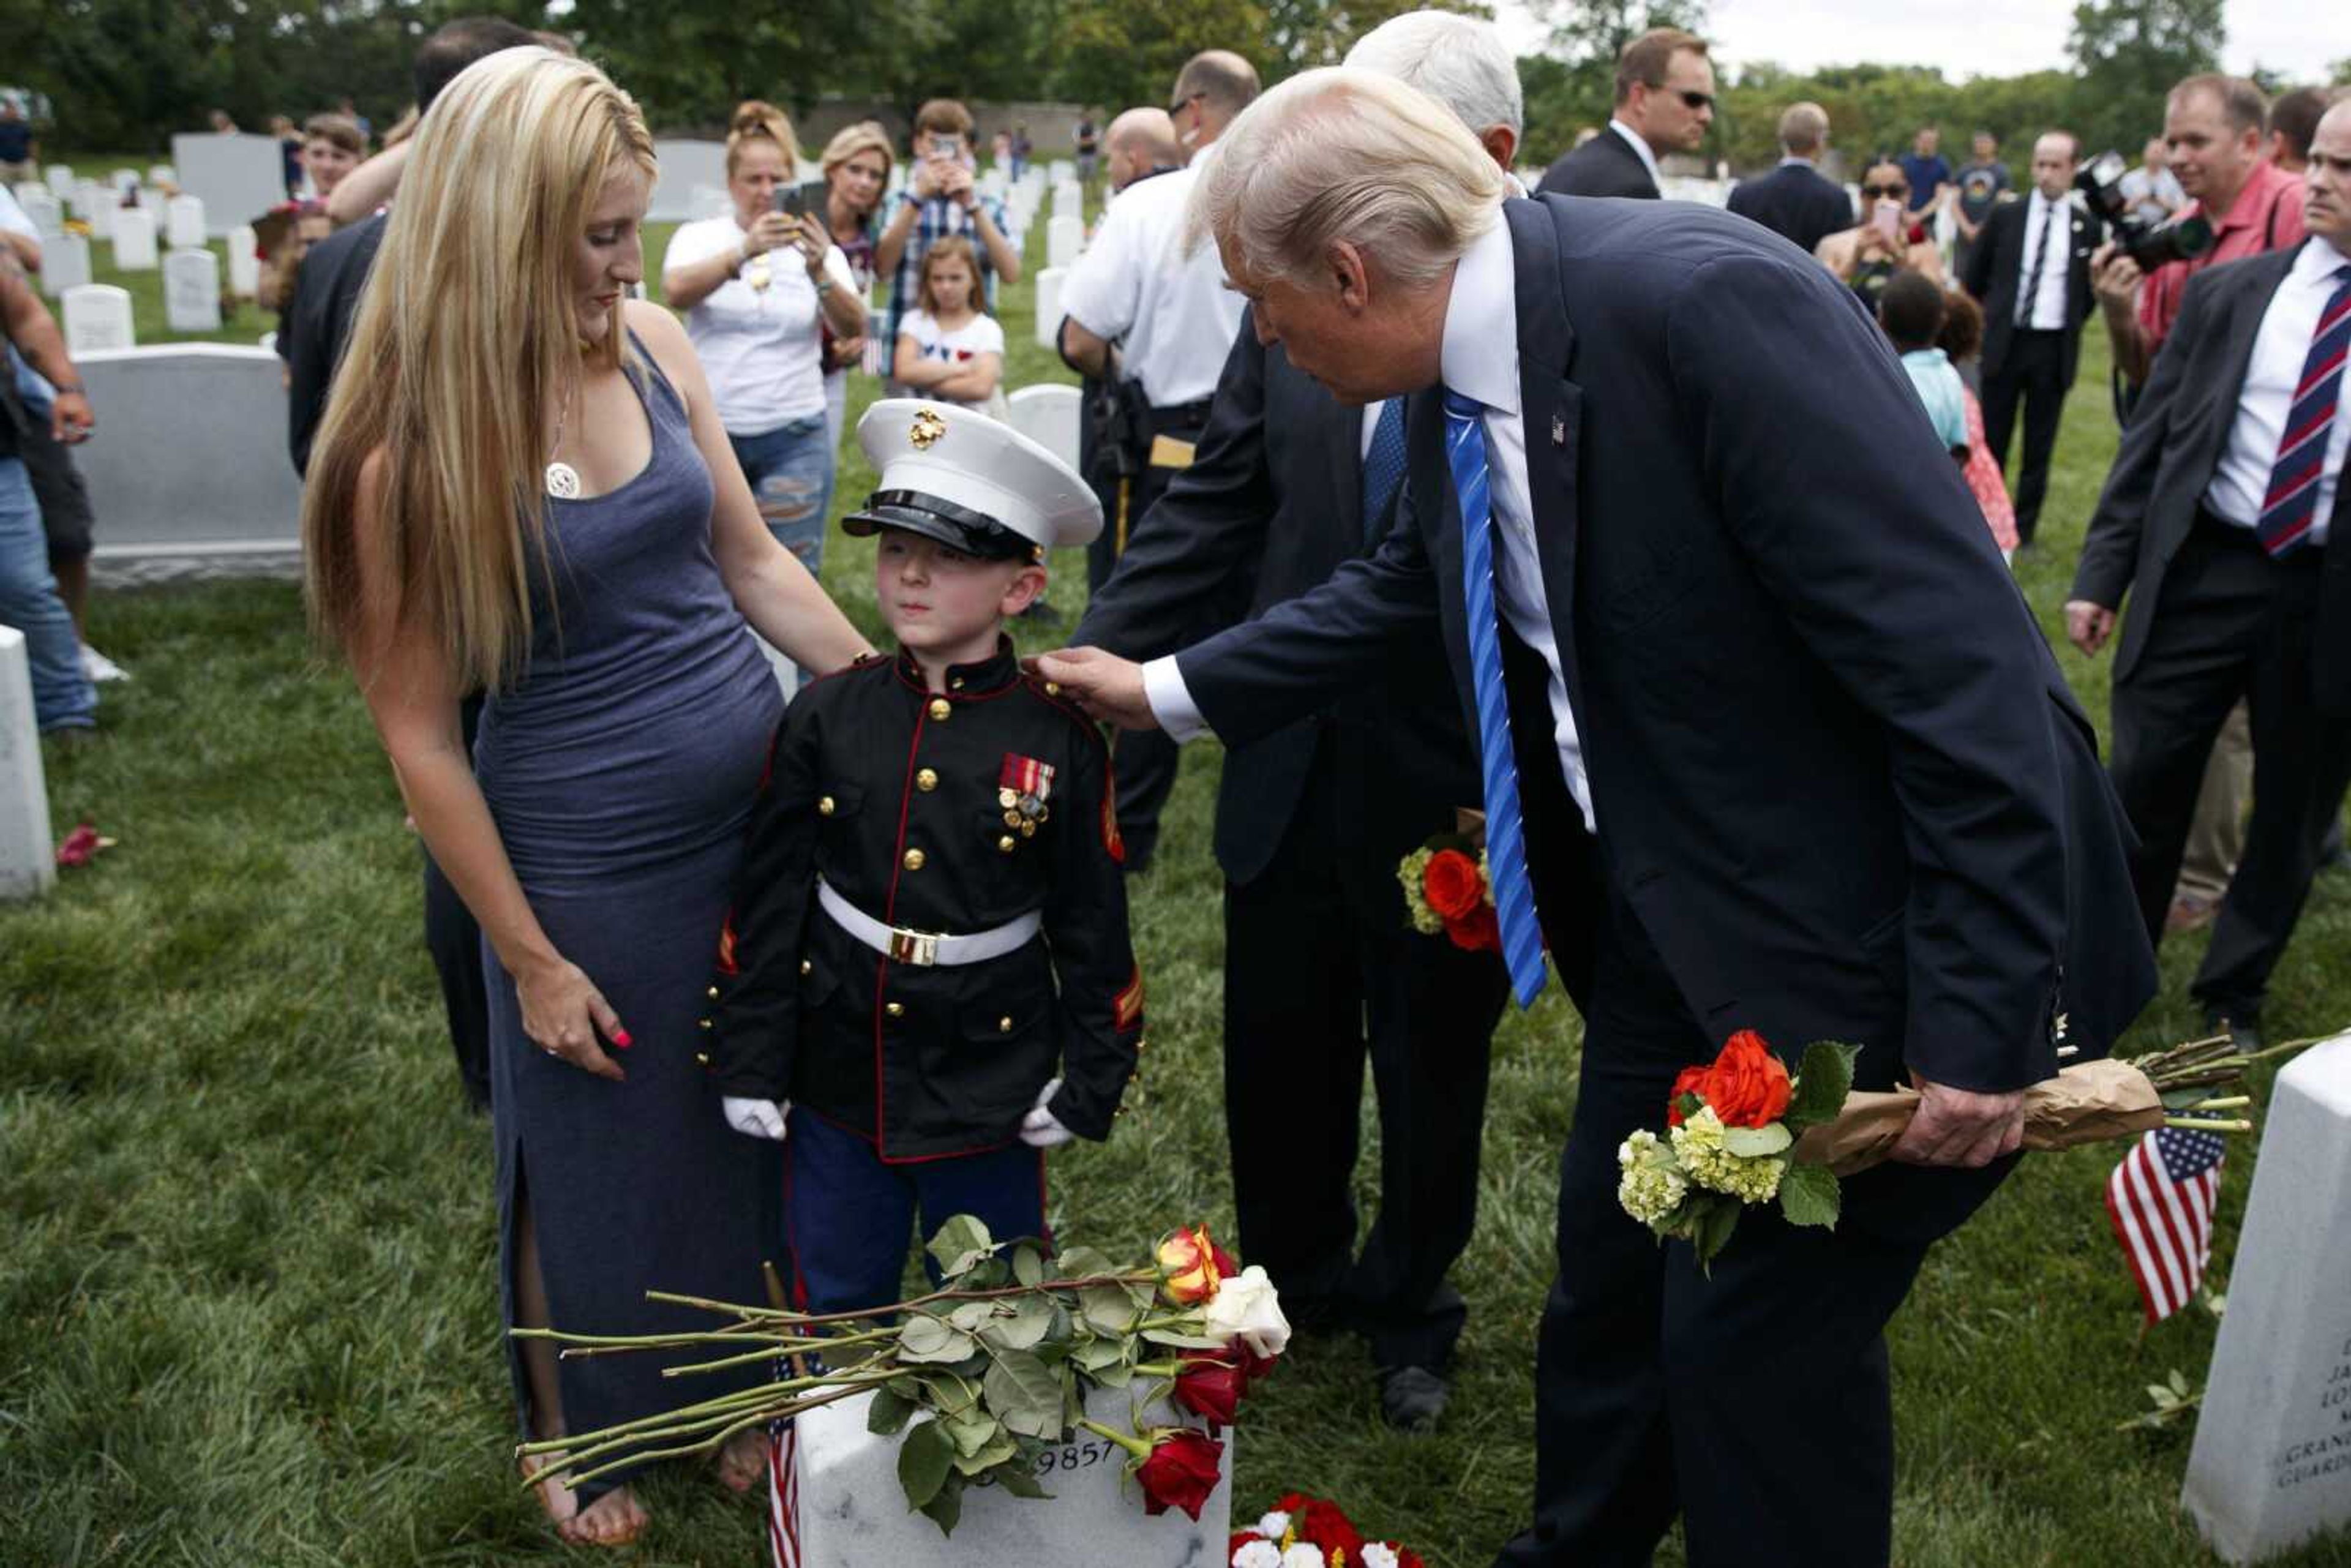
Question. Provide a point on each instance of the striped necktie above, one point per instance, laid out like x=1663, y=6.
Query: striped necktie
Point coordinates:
x=2031, y=302
x=1506, y=848
x=2292, y=503
x=1382, y=466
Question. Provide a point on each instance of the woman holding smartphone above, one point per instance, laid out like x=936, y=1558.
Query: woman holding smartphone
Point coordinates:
x=759, y=288
x=1889, y=239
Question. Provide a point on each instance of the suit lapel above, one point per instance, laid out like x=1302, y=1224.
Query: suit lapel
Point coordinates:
x=2264, y=274
x=1343, y=433
x=1552, y=408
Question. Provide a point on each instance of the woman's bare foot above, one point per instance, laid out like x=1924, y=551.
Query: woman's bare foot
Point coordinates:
x=559, y=1501
x=616, y=1519
x=743, y=1462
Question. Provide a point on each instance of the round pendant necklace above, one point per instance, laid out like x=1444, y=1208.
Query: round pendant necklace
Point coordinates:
x=562, y=480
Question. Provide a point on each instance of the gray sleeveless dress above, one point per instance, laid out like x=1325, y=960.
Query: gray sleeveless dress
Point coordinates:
x=621, y=770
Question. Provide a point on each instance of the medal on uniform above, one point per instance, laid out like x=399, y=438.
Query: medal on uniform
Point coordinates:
x=1021, y=789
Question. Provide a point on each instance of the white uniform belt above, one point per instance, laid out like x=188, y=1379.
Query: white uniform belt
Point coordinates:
x=927, y=948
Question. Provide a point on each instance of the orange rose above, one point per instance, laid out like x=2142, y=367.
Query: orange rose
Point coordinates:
x=1452, y=885
x=1746, y=1086
x=1188, y=1261
x=1692, y=1081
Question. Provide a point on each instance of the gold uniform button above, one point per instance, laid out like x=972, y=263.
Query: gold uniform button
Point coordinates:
x=895, y=1009
x=714, y=993
x=1008, y=844
x=808, y=967
x=1052, y=688
x=926, y=781
x=1004, y=1025
x=914, y=860
x=706, y=1023
x=824, y=807
x=940, y=708
x=702, y=1056
x=955, y=684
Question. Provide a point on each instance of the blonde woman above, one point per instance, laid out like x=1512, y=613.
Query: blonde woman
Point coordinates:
x=760, y=287
x=856, y=164
x=525, y=487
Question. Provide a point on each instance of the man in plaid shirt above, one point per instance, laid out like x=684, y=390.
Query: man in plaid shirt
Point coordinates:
x=940, y=200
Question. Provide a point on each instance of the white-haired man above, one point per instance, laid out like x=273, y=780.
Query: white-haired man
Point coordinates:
x=1751, y=759
x=1322, y=969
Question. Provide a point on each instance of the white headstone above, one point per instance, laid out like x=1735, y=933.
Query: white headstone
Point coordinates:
x=47, y=212
x=134, y=240
x=192, y=290
x=60, y=177
x=244, y=262
x=1069, y=200
x=1048, y=305
x=1065, y=238
x=685, y=164
x=1061, y=169
x=851, y=1513
x=28, y=858
x=1047, y=415
x=184, y=217
x=2272, y=1461
x=65, y=263
x=93, y=203
x=163, y=174
x=124, y=181
x=236, y=176
x=97, y=315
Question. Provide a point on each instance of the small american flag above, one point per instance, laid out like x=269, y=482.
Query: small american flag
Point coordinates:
x=2160, y=1200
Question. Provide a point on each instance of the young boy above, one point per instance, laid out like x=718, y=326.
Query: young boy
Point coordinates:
x=1910, y=309
x=926, y=977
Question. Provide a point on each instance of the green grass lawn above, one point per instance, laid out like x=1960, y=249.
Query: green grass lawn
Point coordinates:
x=248, y=1273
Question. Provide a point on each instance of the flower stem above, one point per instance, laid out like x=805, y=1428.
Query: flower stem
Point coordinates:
x=1135, y=1446
x=2200, y=1124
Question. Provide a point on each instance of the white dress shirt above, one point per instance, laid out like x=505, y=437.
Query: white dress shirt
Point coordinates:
x=1478, y=358
x=2042, y=300
x=1648, y=155
x=1169, y=309
x=2241, y=480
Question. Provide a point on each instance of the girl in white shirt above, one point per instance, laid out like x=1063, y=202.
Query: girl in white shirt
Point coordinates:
x=948, y=348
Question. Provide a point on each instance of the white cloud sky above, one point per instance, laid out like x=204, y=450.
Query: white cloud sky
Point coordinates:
x=1977, y=37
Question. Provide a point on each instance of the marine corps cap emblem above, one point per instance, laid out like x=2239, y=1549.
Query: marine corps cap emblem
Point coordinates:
x=927, y=429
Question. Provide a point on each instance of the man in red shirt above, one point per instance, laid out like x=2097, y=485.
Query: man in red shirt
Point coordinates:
x=2214, y=127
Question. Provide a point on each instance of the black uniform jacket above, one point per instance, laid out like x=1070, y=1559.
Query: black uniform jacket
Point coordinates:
x=900, y=801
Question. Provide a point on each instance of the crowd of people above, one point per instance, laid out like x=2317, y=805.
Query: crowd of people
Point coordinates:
x=868, y=947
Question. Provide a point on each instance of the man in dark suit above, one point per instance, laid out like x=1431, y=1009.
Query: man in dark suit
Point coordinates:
x=1321, y=963
x=2224, y=520
x=1664, y=102
x=1782, y=767
x=2030, y=270
x=1796, y=201
x=334, y=274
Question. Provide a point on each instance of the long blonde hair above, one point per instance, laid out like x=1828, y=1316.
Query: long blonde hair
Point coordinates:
x=467, y=334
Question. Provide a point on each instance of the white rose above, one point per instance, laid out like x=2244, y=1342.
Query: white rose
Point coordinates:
x=1257, y=1554
x=1247, y=1308
x=1273, y=1525
x=1379, y=1554
x=1303, y=1555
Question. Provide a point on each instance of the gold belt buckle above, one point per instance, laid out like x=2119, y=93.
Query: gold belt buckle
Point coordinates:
x=917, y=948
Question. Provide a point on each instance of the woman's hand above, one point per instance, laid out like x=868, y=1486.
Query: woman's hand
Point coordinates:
x=812, y=242
x=772, y=231
x=562, y=1012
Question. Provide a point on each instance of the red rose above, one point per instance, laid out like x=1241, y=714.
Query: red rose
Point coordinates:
x=1405, y=1556
x=1746, y=1086
x=1291, y=1502
x=1183, y=1469
x=1327, y=1529
x=1211, y=1388
x=1254, y=1367
x=1691, y=1081
x=1227, y=1265
x=1452, y=885
x=1480, y=931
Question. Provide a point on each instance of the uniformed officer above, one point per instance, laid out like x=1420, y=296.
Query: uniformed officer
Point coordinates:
x=926, y=976
x=1142, y=310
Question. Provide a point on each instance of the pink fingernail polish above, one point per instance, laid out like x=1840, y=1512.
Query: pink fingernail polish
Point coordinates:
x=620, y=1037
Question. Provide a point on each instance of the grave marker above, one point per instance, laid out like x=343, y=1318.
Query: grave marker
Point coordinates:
x=192, y=290
x=1064, y=236
x=28, y=865
x=134, y=240
x=1048, y=305
x=97, y=315
x=65, y=263
x=236, y=176
x=60, y=177
x=48, y=215
x=183, y=217
x=244, y=262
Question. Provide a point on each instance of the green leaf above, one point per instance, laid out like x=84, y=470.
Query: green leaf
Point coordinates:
x=1028, y=1319
x=1093, y=1355
x=1084, y=1263
x=993, y=1453
x=1823, y=1082
x=923, y=1459
x=1717, y=1220
x=887, y=1415
x=946, y=1506
x=1028, y=1263
x=1809, y=1195
x=971, y=1316
x=970, y=1430
x=1106, y=1308
x=1025, y=1393
x=924, y=1338
x=1757, y=1143
x=1183, y=1341
x=1015, y=1477
x=962, y=1242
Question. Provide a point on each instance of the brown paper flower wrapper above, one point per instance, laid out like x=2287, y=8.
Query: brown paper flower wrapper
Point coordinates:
x=2095, y=1103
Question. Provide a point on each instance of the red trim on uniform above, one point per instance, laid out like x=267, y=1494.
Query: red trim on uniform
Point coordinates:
x=726, y=965
x=863, y=1136
x=1111, y=842
x=890, y=918
x=1127, y=1006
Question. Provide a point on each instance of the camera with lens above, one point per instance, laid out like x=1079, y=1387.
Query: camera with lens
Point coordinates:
x=2150, y=244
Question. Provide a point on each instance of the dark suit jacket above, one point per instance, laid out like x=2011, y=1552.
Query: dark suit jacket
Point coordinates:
x=1796, y=202
x=1605, y=166
x=310, y=339
x=2169, y=451
x=1275, y=492
x=1820, y=776
x=1995, y=271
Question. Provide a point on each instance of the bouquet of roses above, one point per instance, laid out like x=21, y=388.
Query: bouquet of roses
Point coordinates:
x=1449, y=888
x=1741, y=1130
x=981, y=1376
x=1310, y=1532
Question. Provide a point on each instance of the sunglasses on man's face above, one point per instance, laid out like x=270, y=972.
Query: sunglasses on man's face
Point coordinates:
x=1694, y=101
x=1886, y=193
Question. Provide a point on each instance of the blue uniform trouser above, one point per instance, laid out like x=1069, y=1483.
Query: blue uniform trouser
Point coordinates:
x=63, y=697
x=849, y=1218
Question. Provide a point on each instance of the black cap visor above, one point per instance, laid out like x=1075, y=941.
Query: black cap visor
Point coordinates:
x=958, y=528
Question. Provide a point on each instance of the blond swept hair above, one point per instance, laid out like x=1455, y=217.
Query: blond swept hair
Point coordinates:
x=756, y=121
x=865, y=136
x=1348, y=154
x=466, y=337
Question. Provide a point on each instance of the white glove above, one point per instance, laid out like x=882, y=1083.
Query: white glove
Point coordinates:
x=756, y=1118
x=1040, y=1129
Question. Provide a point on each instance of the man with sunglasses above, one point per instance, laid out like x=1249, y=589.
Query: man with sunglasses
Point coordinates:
x=1664, y=102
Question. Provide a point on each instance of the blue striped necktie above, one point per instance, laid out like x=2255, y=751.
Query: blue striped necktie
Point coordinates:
x=2291, y=507
x=1506, y=846
x=1382, y=466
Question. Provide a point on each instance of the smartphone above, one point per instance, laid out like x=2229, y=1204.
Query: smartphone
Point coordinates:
x=945, y=146
x=1889, y=219
x=789, y=200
